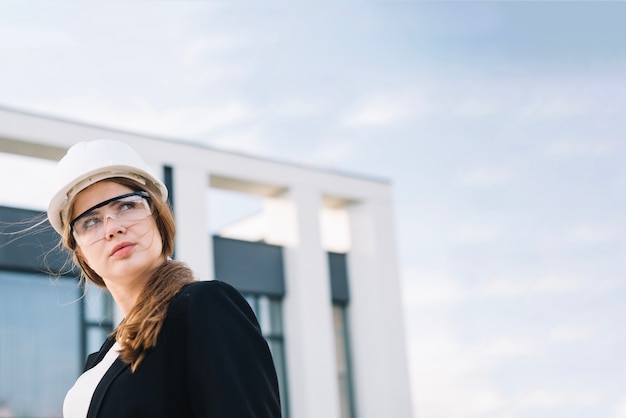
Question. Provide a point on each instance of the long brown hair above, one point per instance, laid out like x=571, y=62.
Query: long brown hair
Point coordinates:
x=138, y=332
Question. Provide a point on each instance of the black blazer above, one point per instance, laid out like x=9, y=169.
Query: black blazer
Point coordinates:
x=210, y=361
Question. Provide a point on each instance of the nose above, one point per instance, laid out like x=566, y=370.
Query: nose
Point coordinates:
x=112, y=228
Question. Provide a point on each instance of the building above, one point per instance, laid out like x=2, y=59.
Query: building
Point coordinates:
x=318, y=265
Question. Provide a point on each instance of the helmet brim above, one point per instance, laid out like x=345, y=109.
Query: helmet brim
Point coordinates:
x=60, y=202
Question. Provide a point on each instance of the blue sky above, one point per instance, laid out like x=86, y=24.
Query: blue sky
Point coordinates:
x=499, y=125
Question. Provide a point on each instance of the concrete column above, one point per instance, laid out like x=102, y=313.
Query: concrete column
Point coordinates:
x=194, y=245
x=311, y=362
x=379, y=357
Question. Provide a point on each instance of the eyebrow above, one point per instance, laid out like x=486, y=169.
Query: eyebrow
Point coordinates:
x=106, y=202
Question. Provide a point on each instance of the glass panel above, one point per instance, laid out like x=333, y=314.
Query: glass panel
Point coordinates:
x=228, y=212
x=344, y=394
x=265, y=317
x=39, y=343
x=251, y=299
x=98, y=305
x=35, y=174
x=269, y=314
x=343, y=369
x=95, y=339
x=278, y=354
x=276, y=315
x=340, y=348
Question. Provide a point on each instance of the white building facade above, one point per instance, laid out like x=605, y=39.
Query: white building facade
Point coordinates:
x=318, y=264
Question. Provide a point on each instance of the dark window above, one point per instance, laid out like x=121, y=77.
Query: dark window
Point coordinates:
x=340, y=294
x=256, y=270
x=39, y=343
x=269, y=313
x=47, y=322
x=342, y=350
x=97, y=319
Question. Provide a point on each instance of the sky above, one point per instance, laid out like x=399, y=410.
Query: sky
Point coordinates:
x=498, y=124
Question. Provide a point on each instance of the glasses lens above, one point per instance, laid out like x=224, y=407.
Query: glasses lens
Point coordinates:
x=91, y=226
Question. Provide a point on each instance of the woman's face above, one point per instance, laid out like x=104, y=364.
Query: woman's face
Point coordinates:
x=128, y=251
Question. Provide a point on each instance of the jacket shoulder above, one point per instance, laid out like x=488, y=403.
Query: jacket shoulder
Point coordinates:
x=213, y=289
x=210, y=297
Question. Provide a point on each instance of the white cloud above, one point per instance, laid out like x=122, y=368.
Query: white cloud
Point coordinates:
x=424, y=288
x=374, y=115
x=510, y=287
x=247, y=141
x=475, y=234
x=476, y=108
x=593, y=234
x=569, y=333
x=330, y=153
x=140, y=116
x=550, y=398
x=620, y=408
x=453, y=401
x=507, y=346
x=444, y=367
x=198, y=48
x=591, y=147
x=217, y=74
x=300, y=107
x=556, y=284
x=30, y=38
x=197, y=120
x=441, y=368
x=485, y=176
x=552, y=107
x=384, y=111
x=505, y=287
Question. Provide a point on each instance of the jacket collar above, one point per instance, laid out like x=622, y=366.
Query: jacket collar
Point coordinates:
x=109, y=377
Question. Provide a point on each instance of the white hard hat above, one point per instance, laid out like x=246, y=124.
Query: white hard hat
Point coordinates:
x=91, y=161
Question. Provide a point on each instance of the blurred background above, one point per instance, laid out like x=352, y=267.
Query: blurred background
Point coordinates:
x=498, y=124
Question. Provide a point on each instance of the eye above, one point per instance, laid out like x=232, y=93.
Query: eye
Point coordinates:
x=88, y=223
x=128, y=206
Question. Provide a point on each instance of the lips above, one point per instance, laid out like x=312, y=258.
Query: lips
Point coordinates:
x=122, y=249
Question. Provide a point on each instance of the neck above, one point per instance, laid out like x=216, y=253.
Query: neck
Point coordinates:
x=126, y=290
x=125, y=295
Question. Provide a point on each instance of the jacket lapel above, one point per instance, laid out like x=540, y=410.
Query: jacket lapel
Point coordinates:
x=95, y=358
x=114, y=371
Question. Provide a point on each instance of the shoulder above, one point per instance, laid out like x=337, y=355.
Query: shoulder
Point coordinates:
x=213, y=297
x=207, y=290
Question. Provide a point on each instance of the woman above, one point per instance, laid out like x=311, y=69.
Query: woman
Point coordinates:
x=185, y=348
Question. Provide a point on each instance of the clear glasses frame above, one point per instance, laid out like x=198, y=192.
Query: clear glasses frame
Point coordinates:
x=90, y=226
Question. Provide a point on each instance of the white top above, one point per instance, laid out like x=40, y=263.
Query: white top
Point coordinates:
x=78, y=398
